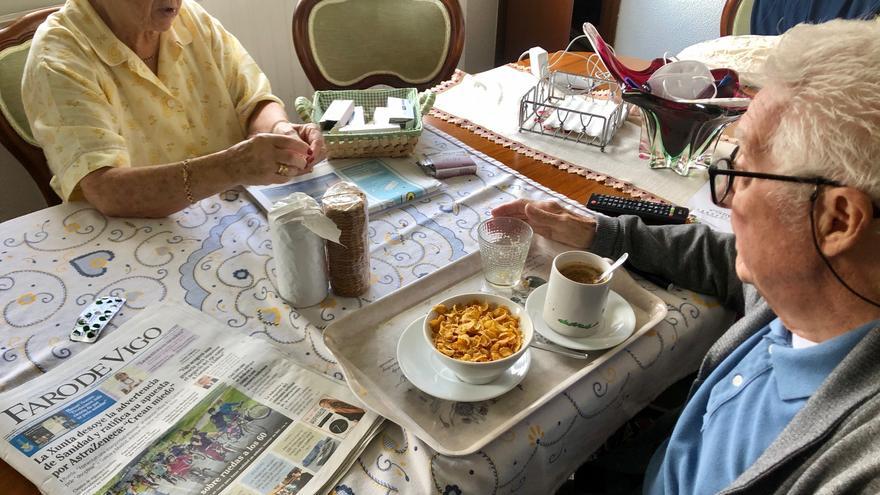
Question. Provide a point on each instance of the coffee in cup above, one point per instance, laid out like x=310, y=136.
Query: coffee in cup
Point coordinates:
x=582, y=273
x=576, y=298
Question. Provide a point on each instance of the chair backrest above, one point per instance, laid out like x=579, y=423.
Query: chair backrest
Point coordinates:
x=736, y=17
x=355, y=44
x=15, y=132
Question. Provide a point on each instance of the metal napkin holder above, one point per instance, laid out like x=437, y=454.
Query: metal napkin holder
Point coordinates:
x=549, y=102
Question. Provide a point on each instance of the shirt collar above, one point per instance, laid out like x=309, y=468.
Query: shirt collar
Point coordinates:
x=107, y=46
x=177, y=37
x=800, y=372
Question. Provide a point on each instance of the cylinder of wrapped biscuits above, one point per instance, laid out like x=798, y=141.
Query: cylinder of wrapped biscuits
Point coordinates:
x=349, y=260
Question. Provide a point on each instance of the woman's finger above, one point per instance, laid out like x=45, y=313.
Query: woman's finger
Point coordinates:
x=311, y=134
x=290, y=142
x=292, y=160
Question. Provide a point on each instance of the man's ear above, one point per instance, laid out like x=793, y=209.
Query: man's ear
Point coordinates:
x=843, y=216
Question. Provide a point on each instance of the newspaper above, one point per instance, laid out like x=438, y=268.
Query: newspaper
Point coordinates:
x=386, y=182
x=705, y=211
x=172, y=402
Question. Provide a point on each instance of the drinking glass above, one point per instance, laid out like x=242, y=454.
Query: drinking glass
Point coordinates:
x=504, y=245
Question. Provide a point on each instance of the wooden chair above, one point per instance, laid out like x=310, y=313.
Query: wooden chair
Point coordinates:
x=15, y=132
x=356, y=44
x=736, y=17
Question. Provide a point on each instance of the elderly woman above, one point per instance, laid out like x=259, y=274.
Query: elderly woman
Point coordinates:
x=143, y=107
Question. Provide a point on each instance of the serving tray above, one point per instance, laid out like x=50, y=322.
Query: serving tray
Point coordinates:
x=365, y=345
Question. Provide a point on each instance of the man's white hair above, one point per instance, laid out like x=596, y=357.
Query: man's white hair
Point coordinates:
x=829, y=75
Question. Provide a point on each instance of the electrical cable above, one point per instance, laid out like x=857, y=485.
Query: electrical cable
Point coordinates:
x=813, y=198
x=559, y=55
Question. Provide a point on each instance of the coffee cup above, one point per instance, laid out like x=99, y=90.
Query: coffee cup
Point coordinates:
x=576, y=298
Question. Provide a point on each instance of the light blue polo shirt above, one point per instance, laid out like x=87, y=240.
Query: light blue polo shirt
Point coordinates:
x=741, y=408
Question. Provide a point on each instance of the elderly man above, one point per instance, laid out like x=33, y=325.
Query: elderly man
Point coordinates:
x=788, y=399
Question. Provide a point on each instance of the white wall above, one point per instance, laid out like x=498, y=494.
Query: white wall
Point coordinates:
x=481, y=21
x=8, y=7
x=274, y=54
x=648, y=28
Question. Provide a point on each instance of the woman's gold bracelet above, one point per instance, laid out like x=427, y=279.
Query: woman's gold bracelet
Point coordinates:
x=187, y=189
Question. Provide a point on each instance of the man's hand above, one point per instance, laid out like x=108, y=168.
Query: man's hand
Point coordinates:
x=552, y=220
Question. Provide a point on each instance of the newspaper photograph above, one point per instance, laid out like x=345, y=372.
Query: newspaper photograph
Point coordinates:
x=174, y=403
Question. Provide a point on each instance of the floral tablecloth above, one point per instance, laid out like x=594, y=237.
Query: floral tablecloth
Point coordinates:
x=217, y=257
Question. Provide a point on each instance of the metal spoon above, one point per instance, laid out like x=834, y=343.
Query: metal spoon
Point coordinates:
x=614, y=266
x=545, y=346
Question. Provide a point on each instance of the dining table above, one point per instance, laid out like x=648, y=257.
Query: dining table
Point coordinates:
x=216, y=256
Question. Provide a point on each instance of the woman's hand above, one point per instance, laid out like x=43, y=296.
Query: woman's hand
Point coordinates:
x=269, y=159
x=309, y=134
x=552, y=220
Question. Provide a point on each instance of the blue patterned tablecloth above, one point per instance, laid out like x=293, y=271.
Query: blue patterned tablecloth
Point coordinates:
x=217, y=256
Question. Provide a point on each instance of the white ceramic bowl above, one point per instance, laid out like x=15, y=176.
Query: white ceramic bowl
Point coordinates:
x=481, y=373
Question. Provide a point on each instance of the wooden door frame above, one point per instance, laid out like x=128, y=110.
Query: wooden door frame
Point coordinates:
x=607, y=25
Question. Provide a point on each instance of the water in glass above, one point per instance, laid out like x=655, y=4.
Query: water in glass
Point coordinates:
x=504, y=245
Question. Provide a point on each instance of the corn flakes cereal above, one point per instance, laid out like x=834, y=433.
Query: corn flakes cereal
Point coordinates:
x=475, y=332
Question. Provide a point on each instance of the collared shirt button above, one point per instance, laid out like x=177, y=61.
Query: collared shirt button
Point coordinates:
x=737, y=380
x=171, y=103
x=770, y=349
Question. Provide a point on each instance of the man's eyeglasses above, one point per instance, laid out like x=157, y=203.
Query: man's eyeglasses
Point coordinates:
x=722, y=175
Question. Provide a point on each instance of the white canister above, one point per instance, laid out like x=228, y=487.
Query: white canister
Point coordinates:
x=572, y=308
x=298, y=228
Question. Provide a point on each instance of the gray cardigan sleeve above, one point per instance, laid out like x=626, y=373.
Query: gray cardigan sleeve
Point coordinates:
x=691, y=256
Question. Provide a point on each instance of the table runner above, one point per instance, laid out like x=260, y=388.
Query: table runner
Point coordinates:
x=488, y=103
x=216, y=256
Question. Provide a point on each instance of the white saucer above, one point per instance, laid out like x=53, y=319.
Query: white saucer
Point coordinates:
x=618, y=323
x=425, y=371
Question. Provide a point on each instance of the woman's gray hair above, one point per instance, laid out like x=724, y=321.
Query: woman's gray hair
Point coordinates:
x=829, y=76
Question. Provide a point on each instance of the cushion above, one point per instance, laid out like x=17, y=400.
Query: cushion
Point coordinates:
x=744, y=54
x=742, y=21
x=351, y=39
x=12, y=61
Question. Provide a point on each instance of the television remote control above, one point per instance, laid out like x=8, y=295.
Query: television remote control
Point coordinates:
x=650, y=212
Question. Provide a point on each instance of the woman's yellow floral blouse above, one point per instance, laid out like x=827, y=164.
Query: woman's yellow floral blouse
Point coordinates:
x=93, y=103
